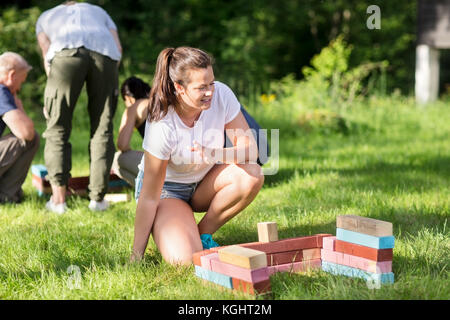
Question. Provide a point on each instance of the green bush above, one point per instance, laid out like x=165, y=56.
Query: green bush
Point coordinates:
x=329, y=87
x=330, y=81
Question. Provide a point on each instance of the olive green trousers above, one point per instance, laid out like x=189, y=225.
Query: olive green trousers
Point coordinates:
x=70, y=69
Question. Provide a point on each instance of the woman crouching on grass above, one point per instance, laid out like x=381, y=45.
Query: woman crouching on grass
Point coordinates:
x=185, y=167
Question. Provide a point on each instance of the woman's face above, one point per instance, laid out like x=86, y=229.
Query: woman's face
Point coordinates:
x=199, y=91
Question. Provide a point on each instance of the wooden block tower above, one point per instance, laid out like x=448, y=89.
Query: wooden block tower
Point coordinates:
x=362, y=248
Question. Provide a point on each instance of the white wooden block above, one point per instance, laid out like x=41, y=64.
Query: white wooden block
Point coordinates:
x=267, y=232
x=243, y=257
x=117, y=197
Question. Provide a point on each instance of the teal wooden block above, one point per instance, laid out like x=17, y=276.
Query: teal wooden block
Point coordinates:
x=39, y=170
x=117, y=183
x=338, y=269
x=365, y=239
x=215, y=277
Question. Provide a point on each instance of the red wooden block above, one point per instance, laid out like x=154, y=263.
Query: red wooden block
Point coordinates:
x=274, y=259
x=251, y=288
x=311, y=254
x=196, y=256
x=320, y=237
x=363, y=252
x=78, y=183
x=301, y=266
x=75, y=185
x=290, y=244
x=284, y=245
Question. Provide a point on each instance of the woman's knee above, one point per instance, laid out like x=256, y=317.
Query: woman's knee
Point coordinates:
x=251, y=180
x=180, y=252
x=175, y=232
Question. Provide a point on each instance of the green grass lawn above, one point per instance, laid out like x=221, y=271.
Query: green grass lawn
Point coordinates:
x=395, y=167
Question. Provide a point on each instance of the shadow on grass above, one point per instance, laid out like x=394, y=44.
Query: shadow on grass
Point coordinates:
x=388, y=177
x=282, y=176
x=379, y=175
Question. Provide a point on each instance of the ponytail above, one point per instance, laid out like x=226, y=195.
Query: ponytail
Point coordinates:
x=162, y=94
x=172, y=66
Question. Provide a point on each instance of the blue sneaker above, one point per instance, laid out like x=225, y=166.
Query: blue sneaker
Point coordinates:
x=207, y=241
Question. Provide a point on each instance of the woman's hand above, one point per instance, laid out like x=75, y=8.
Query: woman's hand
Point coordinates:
x=207, y=155
x=136, y=257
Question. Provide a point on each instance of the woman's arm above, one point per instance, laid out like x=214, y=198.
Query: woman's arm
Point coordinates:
x=244, y=150
x=154, y=175
x=141, y=111
x=132, y=117
x=127, y=124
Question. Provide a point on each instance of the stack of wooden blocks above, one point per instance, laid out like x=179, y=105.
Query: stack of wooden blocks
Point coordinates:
x=76, y=185
x=38, y=179
x=247, y=267
x=362, y=248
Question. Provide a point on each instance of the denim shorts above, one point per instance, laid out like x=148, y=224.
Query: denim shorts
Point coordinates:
x=175, y=190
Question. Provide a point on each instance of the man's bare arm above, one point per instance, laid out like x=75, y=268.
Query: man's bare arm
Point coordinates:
x=20, y=124
x=44, y=44
x=117, y=41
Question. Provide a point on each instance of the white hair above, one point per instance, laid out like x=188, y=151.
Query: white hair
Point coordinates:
x=12, y=61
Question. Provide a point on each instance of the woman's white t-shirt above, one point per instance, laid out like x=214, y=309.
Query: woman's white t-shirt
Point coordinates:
x=170, y=139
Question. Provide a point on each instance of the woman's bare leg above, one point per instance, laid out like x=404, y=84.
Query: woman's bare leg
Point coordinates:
x=224, y=192
x=175, y=231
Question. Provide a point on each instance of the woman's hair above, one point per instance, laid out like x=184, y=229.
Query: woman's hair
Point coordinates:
x=172, y=66
x=134, y=87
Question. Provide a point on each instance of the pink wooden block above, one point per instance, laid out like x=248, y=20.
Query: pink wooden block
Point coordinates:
x=331, y=256
x=370, y=265
x=249, y=275
x=357, y=262
x=328, y=243
x=346, y=260
x=206, y=260
x=300, y=266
